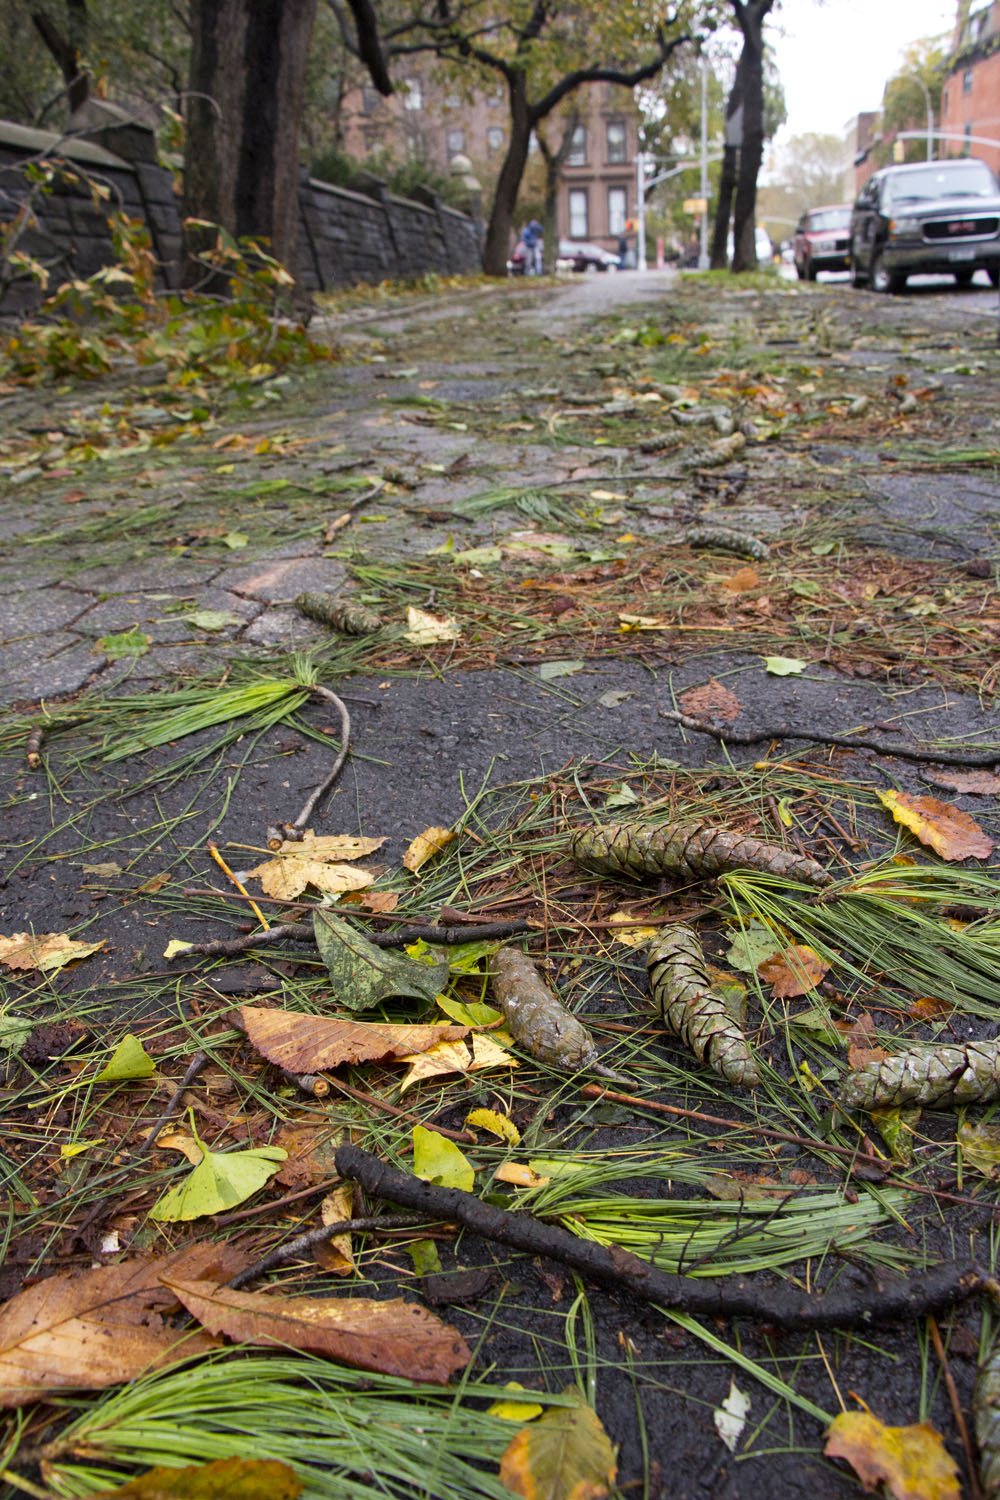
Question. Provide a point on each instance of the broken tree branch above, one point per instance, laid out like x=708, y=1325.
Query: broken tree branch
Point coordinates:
x=725, y=735
x=290, y=932
x=618, y=1270
x=303, y=1243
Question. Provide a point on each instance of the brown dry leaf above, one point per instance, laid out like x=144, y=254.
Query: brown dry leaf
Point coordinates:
x=311, y=1151
x=794, y=971
x=383, y=901
x=83, y=1330
x=425, y=845
x=335, y=1255
x=930, y=1008
x=455, y=1057
x=304, y=1043
x=742, y=581
x=222, y=1479
x=713, y=701
x=423, y=629
x=46, y=951
x=912, y=1461
x=979, y=783
x=859, y=1055
x=392, y=1338
x=947, y=830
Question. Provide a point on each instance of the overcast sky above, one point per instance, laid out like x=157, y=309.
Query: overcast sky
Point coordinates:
x=835, y=57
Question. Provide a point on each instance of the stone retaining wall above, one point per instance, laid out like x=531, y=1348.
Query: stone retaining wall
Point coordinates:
x=345, y=237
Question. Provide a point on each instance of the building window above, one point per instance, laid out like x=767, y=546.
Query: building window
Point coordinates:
x=967, y=81
x=617, y=210
x=967, y=143
x=413, y=97
x=532, y=143
x=494, y=138
x=369, y=99
x=944, y=102
x=617, y=144
x=452, y=101
x=578, y=220
x=578, y=148
x=455, y=140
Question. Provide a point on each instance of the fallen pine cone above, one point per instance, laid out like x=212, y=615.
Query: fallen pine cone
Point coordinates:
x=691, y=850
x=691, y=1009
x=936, y=1077
x=339, y=613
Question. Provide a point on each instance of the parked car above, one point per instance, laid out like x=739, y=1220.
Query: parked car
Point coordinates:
x=762, y=246
x=941, y=216
x=823, y=241
x=579, y=255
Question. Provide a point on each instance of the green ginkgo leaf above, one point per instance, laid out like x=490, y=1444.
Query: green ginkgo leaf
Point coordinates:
x=784, y=666
x=439, y=1160
x=129, y=1060
x=219, y=1181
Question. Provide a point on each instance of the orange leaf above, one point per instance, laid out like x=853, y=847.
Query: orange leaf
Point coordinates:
x=307, y=1044
x=223, y=1479
x=565, y=1455
x=793, y=971
x=912, y=1461
x=392, y=1337
x=947, y=830
x=425, y=845
x=713, y=701
x=741, y=581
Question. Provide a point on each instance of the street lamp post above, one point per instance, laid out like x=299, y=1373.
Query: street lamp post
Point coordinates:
x=703, y=245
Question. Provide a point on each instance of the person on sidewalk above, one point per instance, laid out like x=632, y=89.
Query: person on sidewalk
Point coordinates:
x=533, y=239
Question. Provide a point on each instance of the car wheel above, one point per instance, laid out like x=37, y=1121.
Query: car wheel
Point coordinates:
x=884, y=280
x=963, y=279
x=858, y=278
x=994, y=275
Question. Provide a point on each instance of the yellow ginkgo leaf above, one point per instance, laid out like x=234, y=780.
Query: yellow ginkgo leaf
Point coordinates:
x=456, y=1057
x=221, y=1180
x=496, y=1123
x=425, y=845
x=629, y=933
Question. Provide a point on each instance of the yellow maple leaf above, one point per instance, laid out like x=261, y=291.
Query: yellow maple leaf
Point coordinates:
x=425, y=845
x=286, y=877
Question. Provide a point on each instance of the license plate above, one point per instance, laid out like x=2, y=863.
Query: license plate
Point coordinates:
x=962, y=252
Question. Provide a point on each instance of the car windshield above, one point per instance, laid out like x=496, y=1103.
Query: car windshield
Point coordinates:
x=971, y=179
x=828, y=218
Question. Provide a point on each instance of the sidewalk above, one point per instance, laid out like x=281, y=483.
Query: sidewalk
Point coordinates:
x=773, y=511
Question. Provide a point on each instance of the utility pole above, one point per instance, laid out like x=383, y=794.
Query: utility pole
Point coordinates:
x=640, y=212
x=703, y=250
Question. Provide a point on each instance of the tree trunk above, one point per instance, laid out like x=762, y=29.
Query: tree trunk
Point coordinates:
x=554, y=163
x=241, y=164
x=500, y=229
x=68, y=48
x=728, y=175
x=752, y=150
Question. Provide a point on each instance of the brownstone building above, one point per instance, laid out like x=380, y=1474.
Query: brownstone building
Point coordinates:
x=970, y=102
x=423, y=119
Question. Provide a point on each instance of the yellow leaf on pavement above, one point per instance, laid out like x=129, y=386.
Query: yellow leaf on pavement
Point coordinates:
x=46, y=951
x=514, y=1410
x=425, y=845
x=912, y=1461
x=947, y=830
x=519, y=1174
x=423, y=629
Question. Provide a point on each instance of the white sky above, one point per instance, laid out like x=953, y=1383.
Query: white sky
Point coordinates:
x=835, y=57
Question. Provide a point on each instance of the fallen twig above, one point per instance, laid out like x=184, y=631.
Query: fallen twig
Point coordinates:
x=911, y=1296
x=303, y=1243
x=726, y=735
x=344, y=519
x=290, y=932
x=465, y=1136
x=293, y=832
x=174, y=1103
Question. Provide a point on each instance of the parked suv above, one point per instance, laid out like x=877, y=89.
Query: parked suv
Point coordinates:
x=941, y=216
x=823, y=241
